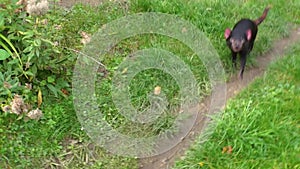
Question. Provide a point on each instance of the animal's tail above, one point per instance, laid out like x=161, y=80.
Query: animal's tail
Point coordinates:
x=262, y=18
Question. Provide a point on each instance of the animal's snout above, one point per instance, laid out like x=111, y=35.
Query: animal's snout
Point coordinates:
x=236, y=45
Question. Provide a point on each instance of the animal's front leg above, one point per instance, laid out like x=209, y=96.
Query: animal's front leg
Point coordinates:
x=243, y=63
x=233, y=55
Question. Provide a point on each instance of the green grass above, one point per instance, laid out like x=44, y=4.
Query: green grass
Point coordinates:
x=262, y=124
x=57, y=139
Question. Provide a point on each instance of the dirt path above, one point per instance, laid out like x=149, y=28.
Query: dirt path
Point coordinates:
x=70, y=3
x=235, y=85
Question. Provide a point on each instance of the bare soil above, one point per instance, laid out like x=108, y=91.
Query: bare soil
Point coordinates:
x=70, y=3
x=234, y=86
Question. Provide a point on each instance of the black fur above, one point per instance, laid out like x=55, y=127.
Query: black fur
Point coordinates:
x=241, y=39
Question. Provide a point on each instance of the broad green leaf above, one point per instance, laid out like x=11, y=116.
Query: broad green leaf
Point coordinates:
x=37, y=52
x=28, y=49
x=2, y=26
x=29, y=73
x=53, y=89
x=51, y=79
x=37, y=42
x=43, y=83
x=4, y=54
x=12, y=62
x=34, y=69
x=62, y=83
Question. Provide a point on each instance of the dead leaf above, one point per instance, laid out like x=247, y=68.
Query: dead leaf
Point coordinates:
x=35, y=114
x=40, y=98
x=21, y=2
x=224, y=150
x=27, y=65
x=6, y=108
x=26, y=107
x=17, y=105
x=57, y=27
x=227, y=149
x=28, y=86
x=201, y=164
x=86, y=38
x=6, y=85
x=125, y=70
x=44, y=21
x=157, y=90
x=65, y=91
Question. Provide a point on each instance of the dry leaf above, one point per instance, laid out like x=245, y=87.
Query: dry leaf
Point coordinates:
x=40, y=98
x=44, y=21
x=224, y=150
x=6, y=85
x=27, y=65
x=28, y=86
x=6, y=108
x=57, y=27
x=157, y=90
x=227, y=149
x=37, y=8
x=26, y=107
x=17, y=105
x=86, y=38
x=65, y=91
x=21, y=2
x=125, y=70
x=201, y=164
x=35, y=114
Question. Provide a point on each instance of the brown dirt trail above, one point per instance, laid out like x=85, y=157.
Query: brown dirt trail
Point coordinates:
x=234, y=85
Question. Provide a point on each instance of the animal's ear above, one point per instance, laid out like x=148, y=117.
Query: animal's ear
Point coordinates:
x=249, y=34
x=227, y=33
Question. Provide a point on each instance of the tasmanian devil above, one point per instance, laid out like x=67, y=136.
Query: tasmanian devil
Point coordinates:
x=241, y=38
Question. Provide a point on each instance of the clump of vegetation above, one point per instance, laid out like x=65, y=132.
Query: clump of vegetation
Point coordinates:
x=29, y=55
